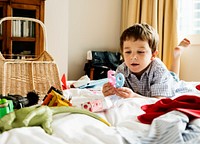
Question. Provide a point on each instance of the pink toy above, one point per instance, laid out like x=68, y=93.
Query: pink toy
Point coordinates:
x=111, y=77
x=94, y=105
x=116, y=81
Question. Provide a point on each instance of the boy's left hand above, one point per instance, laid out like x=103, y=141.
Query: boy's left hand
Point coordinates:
x=125, y=92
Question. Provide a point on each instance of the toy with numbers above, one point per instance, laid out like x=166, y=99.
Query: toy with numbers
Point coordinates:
x=6, y=106
x=55, y=97
x=116, y=80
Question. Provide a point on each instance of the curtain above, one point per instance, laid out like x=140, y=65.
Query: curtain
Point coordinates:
x=160, y=14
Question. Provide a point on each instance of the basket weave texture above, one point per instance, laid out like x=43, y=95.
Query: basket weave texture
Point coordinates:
x=18, y=77
x=22, y=76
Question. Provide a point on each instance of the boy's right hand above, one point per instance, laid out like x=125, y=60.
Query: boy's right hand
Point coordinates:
x=108, y=89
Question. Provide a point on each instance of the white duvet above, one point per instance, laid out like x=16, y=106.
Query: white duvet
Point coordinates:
x=125, y=127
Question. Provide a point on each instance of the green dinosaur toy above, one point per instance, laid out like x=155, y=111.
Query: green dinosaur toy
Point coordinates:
x=39, y=116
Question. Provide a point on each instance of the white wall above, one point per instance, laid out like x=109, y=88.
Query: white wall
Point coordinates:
x=76, y=26
x=56, y=21
x=190, y=70
x=190, y=67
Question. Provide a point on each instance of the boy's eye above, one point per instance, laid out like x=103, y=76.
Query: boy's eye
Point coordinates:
x=127, y=52
x=141, y=52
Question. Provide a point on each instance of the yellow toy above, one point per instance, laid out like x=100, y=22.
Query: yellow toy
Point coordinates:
x=55, y=97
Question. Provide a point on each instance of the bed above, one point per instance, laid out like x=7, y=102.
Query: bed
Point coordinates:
x=122, y=114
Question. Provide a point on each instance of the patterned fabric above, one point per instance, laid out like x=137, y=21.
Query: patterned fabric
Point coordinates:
x=155, y=81
x=171, y=128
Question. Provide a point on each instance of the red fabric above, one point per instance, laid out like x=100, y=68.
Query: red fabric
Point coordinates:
x=188, y=104
x=198, y=87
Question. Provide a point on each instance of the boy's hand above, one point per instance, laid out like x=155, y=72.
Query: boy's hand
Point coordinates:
x=108, y=89
x=125, y=92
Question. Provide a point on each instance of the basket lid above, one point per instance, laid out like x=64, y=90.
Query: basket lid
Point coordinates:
x=44, y=56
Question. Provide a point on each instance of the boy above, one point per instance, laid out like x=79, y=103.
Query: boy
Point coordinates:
x=145, y=75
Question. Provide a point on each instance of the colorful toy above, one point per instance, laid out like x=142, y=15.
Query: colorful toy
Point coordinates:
x=94, y=105
x=22, y=101
x=55, y=97
x=117, y=81
x=6, y=106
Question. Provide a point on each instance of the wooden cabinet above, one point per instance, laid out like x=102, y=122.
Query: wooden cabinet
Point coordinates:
x=21, y=38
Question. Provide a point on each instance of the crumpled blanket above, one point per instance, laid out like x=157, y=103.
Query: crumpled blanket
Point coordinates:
x=188, y=104
x=171, y=128
x=39, y=116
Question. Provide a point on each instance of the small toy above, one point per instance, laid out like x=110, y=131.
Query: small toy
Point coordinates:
x=117, y=81
x=55, y=97
x=111, y=77
x=6, y=106
x=19, y=101
x=94, y=105
x=97, y=105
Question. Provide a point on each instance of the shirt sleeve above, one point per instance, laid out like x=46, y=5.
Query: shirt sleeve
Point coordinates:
x=163, y=83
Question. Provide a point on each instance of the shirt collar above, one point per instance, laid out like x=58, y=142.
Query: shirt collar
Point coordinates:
x=128, y=72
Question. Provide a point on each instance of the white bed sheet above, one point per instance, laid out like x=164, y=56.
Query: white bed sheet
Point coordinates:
x=82, y=129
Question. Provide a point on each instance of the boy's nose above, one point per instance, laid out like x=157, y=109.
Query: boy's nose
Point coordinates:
x=134, y=57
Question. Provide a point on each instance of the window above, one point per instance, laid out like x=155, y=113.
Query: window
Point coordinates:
x=189, y=20
x=189, y=27
x=189, y=17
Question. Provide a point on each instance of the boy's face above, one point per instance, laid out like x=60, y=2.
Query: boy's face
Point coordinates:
x=137, y=55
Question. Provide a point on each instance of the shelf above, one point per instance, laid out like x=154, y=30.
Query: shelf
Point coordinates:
x=18, y=56
x=31, y=2
x=23, y=39
x=24, y=13
x=20, y=37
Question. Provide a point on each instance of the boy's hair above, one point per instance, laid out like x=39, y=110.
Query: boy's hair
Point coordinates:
x=142, y=32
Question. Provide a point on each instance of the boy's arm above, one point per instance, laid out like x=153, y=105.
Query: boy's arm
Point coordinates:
x=126, y=92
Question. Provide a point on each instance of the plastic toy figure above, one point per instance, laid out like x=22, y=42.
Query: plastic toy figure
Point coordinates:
x=6, y=106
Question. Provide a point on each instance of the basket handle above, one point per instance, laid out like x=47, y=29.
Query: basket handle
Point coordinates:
x=29, y=19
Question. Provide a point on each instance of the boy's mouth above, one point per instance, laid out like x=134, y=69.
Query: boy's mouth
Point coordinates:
x=134, y=64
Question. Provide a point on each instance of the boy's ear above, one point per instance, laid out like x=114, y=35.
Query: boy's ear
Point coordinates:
x=154, y=54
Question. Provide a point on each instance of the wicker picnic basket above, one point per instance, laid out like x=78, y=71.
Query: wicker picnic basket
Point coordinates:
x=20, y=76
